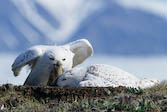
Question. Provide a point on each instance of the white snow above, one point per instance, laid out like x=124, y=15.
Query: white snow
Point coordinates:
x=69, y=15
x=157, y=7
x=29, y=33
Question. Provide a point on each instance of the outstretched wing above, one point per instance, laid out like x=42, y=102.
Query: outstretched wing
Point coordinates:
x=82, y=50
x=28, y=57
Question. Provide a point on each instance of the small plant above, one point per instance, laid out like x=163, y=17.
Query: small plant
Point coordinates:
x=137, y=91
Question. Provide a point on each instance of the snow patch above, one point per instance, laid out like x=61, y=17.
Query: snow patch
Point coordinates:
x=157, y=7
x=69, y=15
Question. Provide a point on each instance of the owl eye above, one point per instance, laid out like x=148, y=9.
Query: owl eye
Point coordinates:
x=64, y=79
x=51, y=58
x=63, y=59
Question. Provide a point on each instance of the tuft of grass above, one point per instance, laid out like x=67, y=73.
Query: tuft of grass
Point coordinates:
x=158, y=89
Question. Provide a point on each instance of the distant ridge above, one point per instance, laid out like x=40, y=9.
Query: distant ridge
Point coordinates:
x=115, y=30
x=24, y=23
x=111, y=28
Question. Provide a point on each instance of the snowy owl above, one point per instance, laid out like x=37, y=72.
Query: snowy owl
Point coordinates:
x=100, y=75
x=48, y=62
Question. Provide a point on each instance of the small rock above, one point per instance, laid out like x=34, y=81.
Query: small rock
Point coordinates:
x=107, y=91
x=2, y=107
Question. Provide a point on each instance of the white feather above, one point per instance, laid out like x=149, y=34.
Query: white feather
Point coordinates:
x=100, y=75
x=82, y=50
x=27, y=57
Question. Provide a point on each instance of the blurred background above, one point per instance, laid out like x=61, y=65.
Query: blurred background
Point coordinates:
x=130, y=34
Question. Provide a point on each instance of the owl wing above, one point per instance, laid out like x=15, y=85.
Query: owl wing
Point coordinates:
x=82, y=50
x=29, y=57
x=92, y=81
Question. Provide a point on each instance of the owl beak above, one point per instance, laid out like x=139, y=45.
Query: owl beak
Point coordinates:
x=58, y=68
x=57, y=64
x=55, y=73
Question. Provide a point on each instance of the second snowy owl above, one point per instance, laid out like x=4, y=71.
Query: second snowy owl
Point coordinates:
x=100, y=75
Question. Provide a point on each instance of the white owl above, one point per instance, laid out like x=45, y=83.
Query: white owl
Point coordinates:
x=100, y=75
x=48, y=62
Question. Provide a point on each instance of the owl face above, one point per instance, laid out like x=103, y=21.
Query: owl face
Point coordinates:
x=67, y=80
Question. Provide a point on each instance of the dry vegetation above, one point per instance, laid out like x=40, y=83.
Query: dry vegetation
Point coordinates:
x=55, y=99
